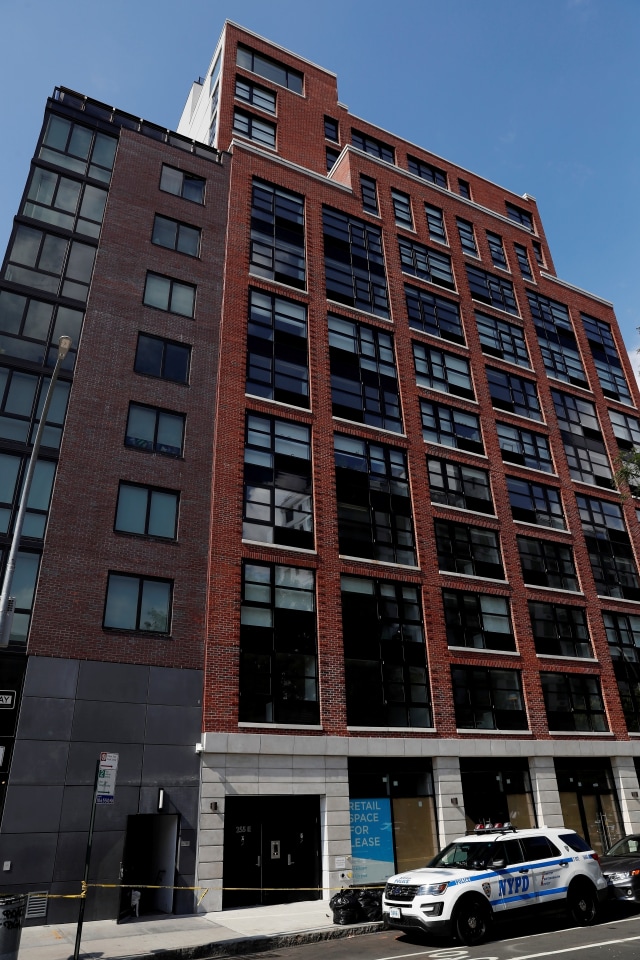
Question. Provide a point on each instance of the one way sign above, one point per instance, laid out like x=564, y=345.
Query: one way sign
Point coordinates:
x=7, y=699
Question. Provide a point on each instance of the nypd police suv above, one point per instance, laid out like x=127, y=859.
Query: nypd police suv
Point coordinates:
x=488, y=874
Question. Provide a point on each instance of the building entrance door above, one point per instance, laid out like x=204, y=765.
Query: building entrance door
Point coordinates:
x=271, y=850
x=589, y=802
x=149, y=859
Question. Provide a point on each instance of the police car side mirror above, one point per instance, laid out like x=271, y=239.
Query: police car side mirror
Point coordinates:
x=498, y=864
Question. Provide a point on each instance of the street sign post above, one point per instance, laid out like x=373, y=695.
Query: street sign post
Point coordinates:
x=107, y=771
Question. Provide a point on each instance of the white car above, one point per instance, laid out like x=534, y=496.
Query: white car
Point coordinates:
x=486, y=875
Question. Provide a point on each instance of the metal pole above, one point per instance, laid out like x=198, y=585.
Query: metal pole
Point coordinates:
x=87, y=859
x=63, y=348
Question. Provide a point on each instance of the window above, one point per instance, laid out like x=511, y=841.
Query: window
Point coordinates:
x=215, y=73
x=426, y=171
x=385, y=654
x=374, y=502
x=610, y=552
x=148, y=511
x=557, y=341
x=23, y=588
x=278, y=646
x=176, y=236
x=164, y=293
x=529, y=449
x=459, y=485
x=332, y=156
x=157, y=357
x=375, y=148
x=496, y=291
x=331, y=129
x=518, y=215
x=534, y=503
x=257, y=96
x=606, y=358
x=78, y=148
x=488, y=699
x=30, y=329
x=435, y=223
x=477, y=620
x=269, y=69
x=499, y=338
x=13, y=468
x=496, y=249
x=537, y=252
x=65, y=203
x=433, y=314
x=464, y=189
x=402, y=209
x=582, y=439
x=467, y=237
x=49, y=263
x=560, y=631
x=431, y=265
x=138, y=603
x=364, y=382
x=623, y=634
x=277, y=349
x=516, y=394
x=354, y=262
x=625, y=428
x=547, y=564
x=277, y=234
x=369, y=190
x=437, y=370
x=474, y=551
x=182, y=184
x=278, y=495
x=254, y=128
x=155, y=430
x=523, y=261
x=573, y=702
x=450, y=427
x=22, y=397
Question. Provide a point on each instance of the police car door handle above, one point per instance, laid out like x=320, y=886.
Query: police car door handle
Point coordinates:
x=526, y=870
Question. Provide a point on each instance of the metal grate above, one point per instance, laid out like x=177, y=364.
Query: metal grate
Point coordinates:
x=36, y=905
x=402, y=892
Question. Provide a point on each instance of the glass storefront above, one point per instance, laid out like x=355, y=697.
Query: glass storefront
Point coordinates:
x=497, y=791
x=589, y=801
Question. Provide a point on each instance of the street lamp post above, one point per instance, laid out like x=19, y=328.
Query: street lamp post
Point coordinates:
x=6, y=615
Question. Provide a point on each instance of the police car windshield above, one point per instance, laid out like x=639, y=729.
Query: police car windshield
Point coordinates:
x=469, y=854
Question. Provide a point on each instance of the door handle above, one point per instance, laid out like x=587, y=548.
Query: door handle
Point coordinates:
x=289, y=860
x=564, y=863
x=526, y=870
x=258, y=861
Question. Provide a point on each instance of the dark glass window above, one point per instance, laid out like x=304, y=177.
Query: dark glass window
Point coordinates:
x=610, y=551
x=176, y=236
x=369, y=191
x=277, y=234
x=523, y=261
x=155, y=430
x=499, y=338
x=474, y=551
x=138, y=603
x=385, y=654
x=254, y=128
x=269, y=69
x=331, y=129
x=582, y=439
x=537, y=252
x=182, y=184
x=79, y=149
x=278, y=645
x=63, y=202
x=50, y=264
x=547, y=564
x=164, y=293
x=496, y=249
x=426, y=171
x=277, y=349
x=278, y=494
x=557, y=340
x=464, y=189
x=509, y=392
x=467, y=237
x=30, y=329
x=256, y=95
x=13, y=467
x=623, y=634
x=560, y=631
x=496, y=291
x=22, y=397
x=435, y=223
x=354, y=262
x=524, y=447
x=374, y=501
x=167, y=359
x=573, y=702
x=402, y=209
x=625, y=427
x=437, y=370
x=375, y=148
x=431, y=265
x=148, y=511
x=364, y=382
x=450, y=427
x=23, y=588
x=478, y=620
x=332, y=155
x=459, y=485
x=535, y=503
x=518, y=215
x=433, y=314
x=488, y=699
x=606, y=358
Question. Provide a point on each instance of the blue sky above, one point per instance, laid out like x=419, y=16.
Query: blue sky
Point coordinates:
x=541, y=96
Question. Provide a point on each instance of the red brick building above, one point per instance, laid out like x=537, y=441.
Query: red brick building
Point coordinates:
x=347, y=445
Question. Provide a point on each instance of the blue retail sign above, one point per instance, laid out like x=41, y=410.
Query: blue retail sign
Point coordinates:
x=371, y=840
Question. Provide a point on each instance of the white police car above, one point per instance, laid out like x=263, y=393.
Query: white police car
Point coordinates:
x=486, y=875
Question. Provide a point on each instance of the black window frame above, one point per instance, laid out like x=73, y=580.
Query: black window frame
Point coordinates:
x=606, y=358
x=496, y=250
x=626, y=429
x=522, y=257
x=142, y=580
x=256, y=95
x=453, y=483
x=277, y=238
x=354, y=264
x=173, y=283
x=191, y=185
x=548, y=563
x=467, y=235
x=502, y=339
x=267, y=68
x=435, y=224
x=518, y=215
x=277, y=348
x=373, y=146
x=623, y=637
x=460, y=432
x=464, y=188
x=331, y=156
x=460, y=550
x=246, y=125
x=180, y=226
x=433, y=266
x=331, y=129
x=582, y=694
x=402, y=210
x=369, y=194
x=169, y=353
x=150, y=491
x=430, y=360
x=496, y=292
x=557, y=340
x=566, y=633
x=469, y=617
x=156, y=446
x=478, y=693
x=611, y=554
x=514, y=394
x=582, y=439
x=534, y=450
x=427, y=171
x=536, y=503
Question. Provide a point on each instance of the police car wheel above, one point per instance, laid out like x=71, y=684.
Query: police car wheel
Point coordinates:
x=471, y=921
x=582, y=904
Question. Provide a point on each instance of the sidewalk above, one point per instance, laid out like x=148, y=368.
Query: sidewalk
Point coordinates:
x=229, y=933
